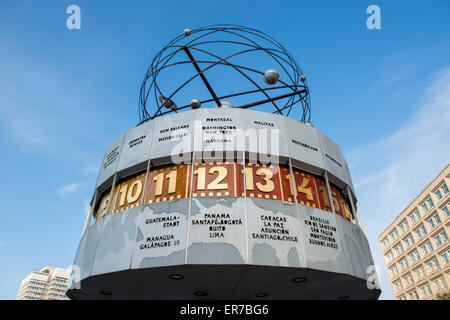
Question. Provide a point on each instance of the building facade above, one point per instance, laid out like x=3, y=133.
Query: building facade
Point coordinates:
x=416, y=246
x=49, y=283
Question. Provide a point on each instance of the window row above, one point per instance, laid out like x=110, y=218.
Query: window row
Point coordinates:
x=425, y=290
x=415, y=216
x=431, y=265
x=420, y=232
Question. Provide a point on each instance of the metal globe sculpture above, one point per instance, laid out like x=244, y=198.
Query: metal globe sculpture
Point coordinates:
x=207, y=199
x=231, y=54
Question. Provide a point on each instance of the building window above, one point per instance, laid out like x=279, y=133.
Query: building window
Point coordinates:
x=386, y=243
x=394, y=235
x=420, y=273
x=408, y=280
x=393, y=270
x=433, y=265
x=430, y=202
x=444, y=188
x=444, y=257
x=403, y=264
x=416, y=255
x=434, y=220
x=439, y=284
x=398, y=249
x=424, y=207
x=425, y=290
x=390, y=256
x=441, y=238
x=424, y=249
x=446, y=210
x=422, y=291
x=404, y=227
x=435, y=262
x=438, y=194
x=421, y=231
x=413, y=295
x=409, y=241
x=431, y=223
x=398, y=286
x=428, y=289
x=438, y=240
x=415, y=216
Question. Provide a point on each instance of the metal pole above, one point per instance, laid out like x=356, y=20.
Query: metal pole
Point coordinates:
x=246, y=106
x=91, y=211
x=200, y=72
x=352, y=204
x=329, y=192
x=360, y=221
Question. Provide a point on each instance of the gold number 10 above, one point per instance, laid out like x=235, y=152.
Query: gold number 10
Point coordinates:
x=134, y=192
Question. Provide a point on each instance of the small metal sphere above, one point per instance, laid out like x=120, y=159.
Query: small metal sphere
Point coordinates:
x=195, y=104
x=302, y=78
x=271, y=76
x=167, y=103
x=187, y=32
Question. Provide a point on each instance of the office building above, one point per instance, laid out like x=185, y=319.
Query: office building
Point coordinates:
x=47, y=284
x=416, y=247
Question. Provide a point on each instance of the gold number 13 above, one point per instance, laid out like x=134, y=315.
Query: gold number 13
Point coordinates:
x=268, y=186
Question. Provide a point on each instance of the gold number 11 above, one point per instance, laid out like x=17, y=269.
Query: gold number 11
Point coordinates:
x=159, y=179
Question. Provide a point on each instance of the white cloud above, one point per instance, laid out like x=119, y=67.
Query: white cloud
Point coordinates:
x=2, y=243
x=389, y=173
x=67, y=190
x=393, y=73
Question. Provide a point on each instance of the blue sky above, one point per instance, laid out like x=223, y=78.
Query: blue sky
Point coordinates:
x=65, y=95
